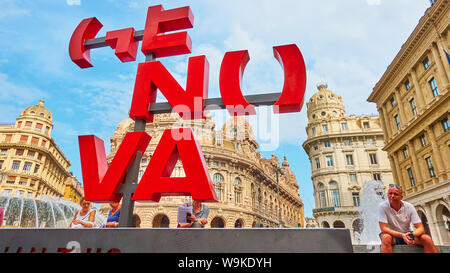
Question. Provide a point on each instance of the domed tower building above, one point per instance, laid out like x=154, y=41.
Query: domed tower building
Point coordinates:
x=345, y=152
x=30, y=161
x=245, y=183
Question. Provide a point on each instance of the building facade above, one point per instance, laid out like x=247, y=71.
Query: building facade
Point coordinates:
x=30, y=161
x=245, y=183
x=412, y=98
x=345, y=152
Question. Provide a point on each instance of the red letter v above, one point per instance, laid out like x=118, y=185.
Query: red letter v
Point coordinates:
x=100, y=182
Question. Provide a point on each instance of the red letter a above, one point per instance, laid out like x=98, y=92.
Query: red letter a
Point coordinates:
x=156, y=181
x=100, y=182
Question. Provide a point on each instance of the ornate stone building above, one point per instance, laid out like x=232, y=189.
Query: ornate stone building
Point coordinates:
x=245, y=183
x=412, y=98
x=30, y=161
x=345, y=152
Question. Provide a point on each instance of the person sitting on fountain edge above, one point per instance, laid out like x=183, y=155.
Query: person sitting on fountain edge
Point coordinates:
x=200, y=215
x=395, y=217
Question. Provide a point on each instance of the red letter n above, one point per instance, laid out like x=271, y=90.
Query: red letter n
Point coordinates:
x=153, y=75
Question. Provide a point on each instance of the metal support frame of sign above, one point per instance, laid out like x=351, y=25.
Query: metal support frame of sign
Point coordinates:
x=127, y=189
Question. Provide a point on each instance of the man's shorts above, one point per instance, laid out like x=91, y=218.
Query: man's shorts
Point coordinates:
x=398, y=240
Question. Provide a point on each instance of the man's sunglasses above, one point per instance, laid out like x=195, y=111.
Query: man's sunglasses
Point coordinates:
x=397, y=186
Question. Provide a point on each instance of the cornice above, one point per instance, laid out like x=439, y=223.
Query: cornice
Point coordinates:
x=424, y=25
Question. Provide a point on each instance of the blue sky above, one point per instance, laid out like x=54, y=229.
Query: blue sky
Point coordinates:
x=348, y=44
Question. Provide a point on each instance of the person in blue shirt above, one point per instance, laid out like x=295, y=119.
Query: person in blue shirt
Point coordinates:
x=113, y=215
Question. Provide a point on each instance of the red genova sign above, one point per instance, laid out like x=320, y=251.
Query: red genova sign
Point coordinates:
x=101, y=182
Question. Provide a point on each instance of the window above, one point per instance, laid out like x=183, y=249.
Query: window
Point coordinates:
x=426, y=63
x=392, y=101
x=434, y=87
x=366, y=125
x=411, y=177
x=313, y=131
x=23, y=181
x=11, y=180
x=15, y=165
x=377, y=176
x=3, y=152
x=397, y=122
x=40, y=157
x=349, y=160
x=316, y=147
x=353, y=177
x=330, y=161
x=407, y=85
x=356, y=199
x=327, y=144
x=430, y=167
x=344, y=126
x=23, y=139
x=370, y=141
x=323, y=199
x=237, y=197
x=218, y=178
x=445, y=125
x=1, y=163
x=423, y=140
x=34, y=141
x=373, y=159
x=413, y=107
x=47, y=129
x=19, y=152
x=19, y=124
x=8, y=138
x=347, y=142
x=38, y=127
x=317, y=163
x=36, y=168
x=233, y=131
x=43, y=143
x=334, y=191
x=237, y=147
x=31, y=154
x=324, y=128
x=405, y=152
x=28, y=124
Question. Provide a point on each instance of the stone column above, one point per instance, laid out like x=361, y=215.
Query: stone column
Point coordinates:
x=440, y=170
x=387, y=122
x=403, y=120
x=399, y=172
x=415, y=163
x=394, y=169
x=419, y=94
x=441, y=60
x=383, y=123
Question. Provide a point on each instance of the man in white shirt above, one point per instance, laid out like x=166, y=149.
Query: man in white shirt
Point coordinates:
x=395, y=218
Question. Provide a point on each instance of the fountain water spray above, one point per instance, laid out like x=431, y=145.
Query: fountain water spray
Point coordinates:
x=372, y=196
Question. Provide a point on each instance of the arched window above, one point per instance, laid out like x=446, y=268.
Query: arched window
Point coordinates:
x=218, y=178
x=334, y=192
x=322, y=195
x=237, y=191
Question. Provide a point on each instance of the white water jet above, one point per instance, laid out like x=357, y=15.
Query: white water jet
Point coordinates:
x=372, y=196
x=41, y=212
